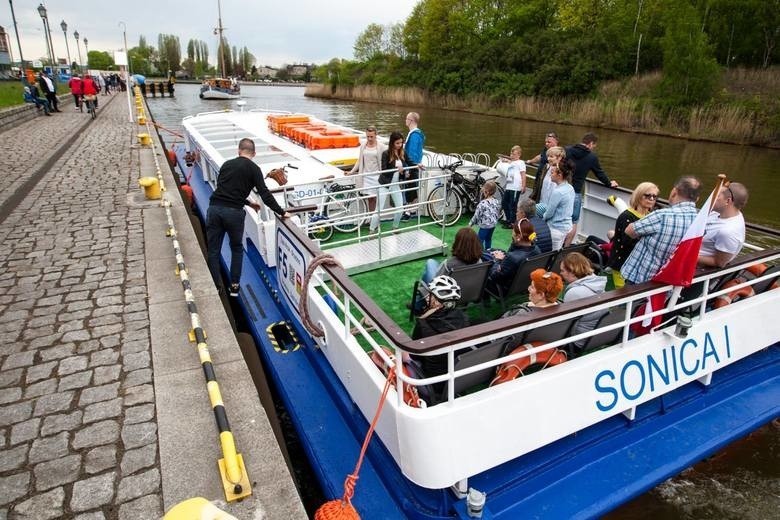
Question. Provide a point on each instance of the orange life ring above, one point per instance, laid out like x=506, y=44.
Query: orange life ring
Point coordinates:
x=725, y=299
x=513, y=369
x=757, y=269
x=411, y=396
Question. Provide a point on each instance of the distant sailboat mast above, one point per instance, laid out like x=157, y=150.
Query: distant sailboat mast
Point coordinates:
x=219, y=30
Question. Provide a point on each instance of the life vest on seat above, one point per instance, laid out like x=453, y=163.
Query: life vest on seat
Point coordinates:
x=513, y=369
x=411, y=396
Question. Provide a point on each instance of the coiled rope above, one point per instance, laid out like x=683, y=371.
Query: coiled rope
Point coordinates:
x=303, y=306
x=343, y=509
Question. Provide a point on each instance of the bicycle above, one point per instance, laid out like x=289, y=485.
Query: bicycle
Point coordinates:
x=341, y=208
x=90, y=105
x=446, y=202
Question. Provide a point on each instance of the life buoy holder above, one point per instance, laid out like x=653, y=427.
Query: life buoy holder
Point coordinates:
x=742, y=292
x=511, y=370
x=411, y=396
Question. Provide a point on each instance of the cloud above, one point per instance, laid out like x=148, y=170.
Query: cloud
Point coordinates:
x=309, y=31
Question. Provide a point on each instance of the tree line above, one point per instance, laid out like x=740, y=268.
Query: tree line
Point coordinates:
x=555, y=48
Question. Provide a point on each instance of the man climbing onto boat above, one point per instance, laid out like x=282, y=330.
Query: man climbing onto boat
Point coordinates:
x=236, y=179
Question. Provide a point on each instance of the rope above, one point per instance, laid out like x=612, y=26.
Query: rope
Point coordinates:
x=343, y=509
x=303, y=306
x=161, y=127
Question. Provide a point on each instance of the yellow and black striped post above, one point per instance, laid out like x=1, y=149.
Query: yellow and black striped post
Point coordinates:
x=235, y=480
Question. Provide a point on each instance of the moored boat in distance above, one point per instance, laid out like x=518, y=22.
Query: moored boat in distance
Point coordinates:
x=574, y=440
x=220, y=88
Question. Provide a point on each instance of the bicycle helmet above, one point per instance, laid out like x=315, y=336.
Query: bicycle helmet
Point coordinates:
x=445, y=289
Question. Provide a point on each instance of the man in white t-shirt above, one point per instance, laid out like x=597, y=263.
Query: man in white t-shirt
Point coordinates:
x=724, y=235
x=515, y=185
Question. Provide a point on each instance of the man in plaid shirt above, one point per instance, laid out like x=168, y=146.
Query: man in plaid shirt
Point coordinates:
x=661, y=231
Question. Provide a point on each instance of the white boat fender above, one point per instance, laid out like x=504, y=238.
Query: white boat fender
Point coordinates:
x=618, y=203
x=475, y=503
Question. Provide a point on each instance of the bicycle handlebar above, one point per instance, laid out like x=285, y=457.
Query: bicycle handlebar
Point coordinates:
x=451, y=167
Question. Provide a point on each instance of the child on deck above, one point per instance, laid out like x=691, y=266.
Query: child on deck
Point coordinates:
x=515, y=185
x=486, y=215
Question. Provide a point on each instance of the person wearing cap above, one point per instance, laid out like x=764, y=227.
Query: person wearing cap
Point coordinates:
x=439, y=315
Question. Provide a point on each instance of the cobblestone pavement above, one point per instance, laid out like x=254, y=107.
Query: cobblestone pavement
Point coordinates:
x=26, y=147
x=78, y=434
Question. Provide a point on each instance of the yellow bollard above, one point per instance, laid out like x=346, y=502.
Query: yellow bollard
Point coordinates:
x=151, y=187
x=198, y=508
x=141, y=119
x=145, y=139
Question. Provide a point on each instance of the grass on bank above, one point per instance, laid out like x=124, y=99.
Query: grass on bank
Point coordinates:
x=745, y=110
x=12, y=93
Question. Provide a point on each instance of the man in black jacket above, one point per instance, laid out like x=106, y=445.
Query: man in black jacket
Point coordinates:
x=236, y=179
x=49, y=90
x=585, y=160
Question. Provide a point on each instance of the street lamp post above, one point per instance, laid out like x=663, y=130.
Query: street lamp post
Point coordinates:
x=64, y=27
x=42, y=12
x=127, y=73
x=86, y=50
x=76, y=35
x=23, y=75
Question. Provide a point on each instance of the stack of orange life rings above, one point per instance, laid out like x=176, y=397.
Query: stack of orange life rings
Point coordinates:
x=743, y=292
x=513, y=369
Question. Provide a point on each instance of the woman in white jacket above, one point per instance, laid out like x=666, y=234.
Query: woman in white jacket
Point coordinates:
x=369, y=162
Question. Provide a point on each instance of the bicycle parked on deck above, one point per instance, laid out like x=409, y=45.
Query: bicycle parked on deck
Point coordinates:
x=341, y=208
x=447, y=202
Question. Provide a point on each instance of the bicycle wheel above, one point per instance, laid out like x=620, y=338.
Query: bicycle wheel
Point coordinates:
x=320, y=228
x=444, y=210
x=500, y=196
x=342, y=206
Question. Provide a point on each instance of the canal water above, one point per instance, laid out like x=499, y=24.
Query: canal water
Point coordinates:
x=743, y=480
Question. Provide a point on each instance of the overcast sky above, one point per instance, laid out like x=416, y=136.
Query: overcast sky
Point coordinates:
x=276, y=32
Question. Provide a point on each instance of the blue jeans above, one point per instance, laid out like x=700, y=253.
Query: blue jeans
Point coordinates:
x=485, y=236
x=221, y=220
x=509, y=203
x=431, y=268
x=395, y=194
x=575, y=215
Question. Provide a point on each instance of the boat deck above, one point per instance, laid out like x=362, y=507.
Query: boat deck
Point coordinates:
x=387, y=249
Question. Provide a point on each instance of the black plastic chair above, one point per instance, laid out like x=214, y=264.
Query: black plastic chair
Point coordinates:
x=522, y=278
x=479, y=354
x=604, y=338
x=555, y=266
x=766, y=284
x=472, y=280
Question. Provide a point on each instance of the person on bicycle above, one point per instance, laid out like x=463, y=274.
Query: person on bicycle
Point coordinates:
x=89, y=90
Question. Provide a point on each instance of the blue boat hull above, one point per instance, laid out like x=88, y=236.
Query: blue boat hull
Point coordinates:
x=581, y=476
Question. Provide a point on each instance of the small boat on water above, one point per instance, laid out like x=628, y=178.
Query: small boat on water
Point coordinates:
x=220, y=88
x=574, y=440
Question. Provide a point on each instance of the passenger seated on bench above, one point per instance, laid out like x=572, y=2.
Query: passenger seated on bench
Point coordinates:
x=507, y=263
x=526, y=208
x=440, y=315
x=31, y=95
x=577, y=272
x=543, y=292
x=466, y=250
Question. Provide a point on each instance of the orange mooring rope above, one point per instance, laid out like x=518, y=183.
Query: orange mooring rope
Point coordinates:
x=161, y=127
x=343, y=509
